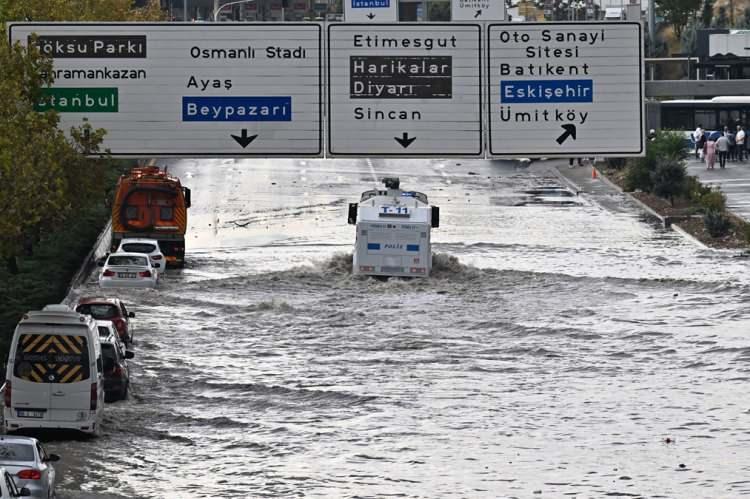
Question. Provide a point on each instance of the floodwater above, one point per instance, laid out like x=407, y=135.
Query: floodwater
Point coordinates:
x=557, y=351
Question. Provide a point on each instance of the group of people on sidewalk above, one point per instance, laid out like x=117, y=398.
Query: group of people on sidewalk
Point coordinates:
x=728, y=146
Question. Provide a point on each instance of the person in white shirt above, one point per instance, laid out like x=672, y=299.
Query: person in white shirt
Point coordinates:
x=722, y=147
x=697, y=136
x=740, y=140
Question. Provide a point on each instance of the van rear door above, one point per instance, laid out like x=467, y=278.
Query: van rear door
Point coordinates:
x=53, y=374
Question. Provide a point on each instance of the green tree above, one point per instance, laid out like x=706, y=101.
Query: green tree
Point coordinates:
x=80, y=10
x=722, y=19
x=669, y=179
x=678, y=12
x=689, y=38
x=44, y=175
x=707, y=14
x=438, y=11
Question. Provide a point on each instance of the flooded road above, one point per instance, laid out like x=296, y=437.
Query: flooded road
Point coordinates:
x=557, y=351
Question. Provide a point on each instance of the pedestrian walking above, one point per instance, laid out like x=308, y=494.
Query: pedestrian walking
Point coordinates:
x=709, y=153
x=698, y=139
x=722, y=148
x=740, y=140
x=729, y=134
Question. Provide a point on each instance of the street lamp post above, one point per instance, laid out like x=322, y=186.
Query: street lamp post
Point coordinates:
x=218, y=9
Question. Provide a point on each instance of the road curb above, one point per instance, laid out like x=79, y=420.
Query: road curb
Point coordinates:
x=667, y=224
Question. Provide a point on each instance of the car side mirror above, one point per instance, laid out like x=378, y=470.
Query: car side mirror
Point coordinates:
x=129, y=354
x=52, y=458
x=24, y=492
x=352, y=218
x=131, y=314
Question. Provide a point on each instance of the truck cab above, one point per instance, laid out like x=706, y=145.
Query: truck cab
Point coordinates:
x=393, y=232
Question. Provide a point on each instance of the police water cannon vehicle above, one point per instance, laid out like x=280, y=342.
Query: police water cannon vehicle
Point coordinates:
x=393, y=232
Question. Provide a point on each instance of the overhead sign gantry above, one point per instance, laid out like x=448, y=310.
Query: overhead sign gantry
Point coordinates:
x=394, y=89
x=188, y=89
x=404, y=90
x=565, y=89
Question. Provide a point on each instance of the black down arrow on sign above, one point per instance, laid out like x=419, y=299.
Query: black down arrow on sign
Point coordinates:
x=244, y=140
x=404, y=140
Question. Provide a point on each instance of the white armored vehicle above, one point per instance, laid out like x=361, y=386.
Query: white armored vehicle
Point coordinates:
x=393, y=232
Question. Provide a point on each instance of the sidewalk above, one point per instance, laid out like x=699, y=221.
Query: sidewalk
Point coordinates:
x=734, y=181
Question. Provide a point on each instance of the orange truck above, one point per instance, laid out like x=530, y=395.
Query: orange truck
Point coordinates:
x=150, y=203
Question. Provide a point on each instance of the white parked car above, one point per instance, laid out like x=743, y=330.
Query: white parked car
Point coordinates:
x=128, y=270
x=8, y=487
x=26, y=459
x=148, y=247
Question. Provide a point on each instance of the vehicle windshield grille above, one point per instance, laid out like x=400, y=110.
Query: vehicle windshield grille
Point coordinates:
x=127, y=260
x=51, y=358
x=99, y=312
x=138, y=247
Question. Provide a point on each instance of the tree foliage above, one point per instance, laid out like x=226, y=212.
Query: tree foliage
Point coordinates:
x=678, y=12
x=669, y=178
x=707, y=13
x=722, y=19
x=79, y=10
x=44, y=174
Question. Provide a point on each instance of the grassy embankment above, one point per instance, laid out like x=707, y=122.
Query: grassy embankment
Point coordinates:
x=44, y=276
x=660, y=181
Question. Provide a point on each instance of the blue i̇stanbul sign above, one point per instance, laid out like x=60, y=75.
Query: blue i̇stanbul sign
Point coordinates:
x=370, y=4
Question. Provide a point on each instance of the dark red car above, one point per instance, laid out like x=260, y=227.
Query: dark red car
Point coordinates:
x=109, y=309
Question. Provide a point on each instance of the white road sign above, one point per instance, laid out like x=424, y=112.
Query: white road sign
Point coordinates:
x=478, y=10
x=404, y=90
x=565, y=89
x=370, y=11
x=186, y=90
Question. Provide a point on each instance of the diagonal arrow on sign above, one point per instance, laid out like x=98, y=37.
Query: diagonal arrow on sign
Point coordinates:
x=405, y=141
x=244, y=140
x=570, y=131
x=479, y=13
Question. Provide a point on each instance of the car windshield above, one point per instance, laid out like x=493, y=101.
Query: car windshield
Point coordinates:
x=126, y=260
x=138, y=247
x=13, y=452
x=99, y=311
x=103, y=331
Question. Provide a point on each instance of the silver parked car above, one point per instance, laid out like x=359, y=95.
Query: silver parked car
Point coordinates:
x=29, y=464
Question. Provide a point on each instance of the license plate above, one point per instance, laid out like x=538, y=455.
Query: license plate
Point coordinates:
x=30, y=414
x=126, y=275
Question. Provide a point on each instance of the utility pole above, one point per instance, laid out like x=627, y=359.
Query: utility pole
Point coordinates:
x=184, y=10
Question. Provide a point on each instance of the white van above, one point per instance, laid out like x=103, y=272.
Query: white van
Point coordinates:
x=54, y=377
